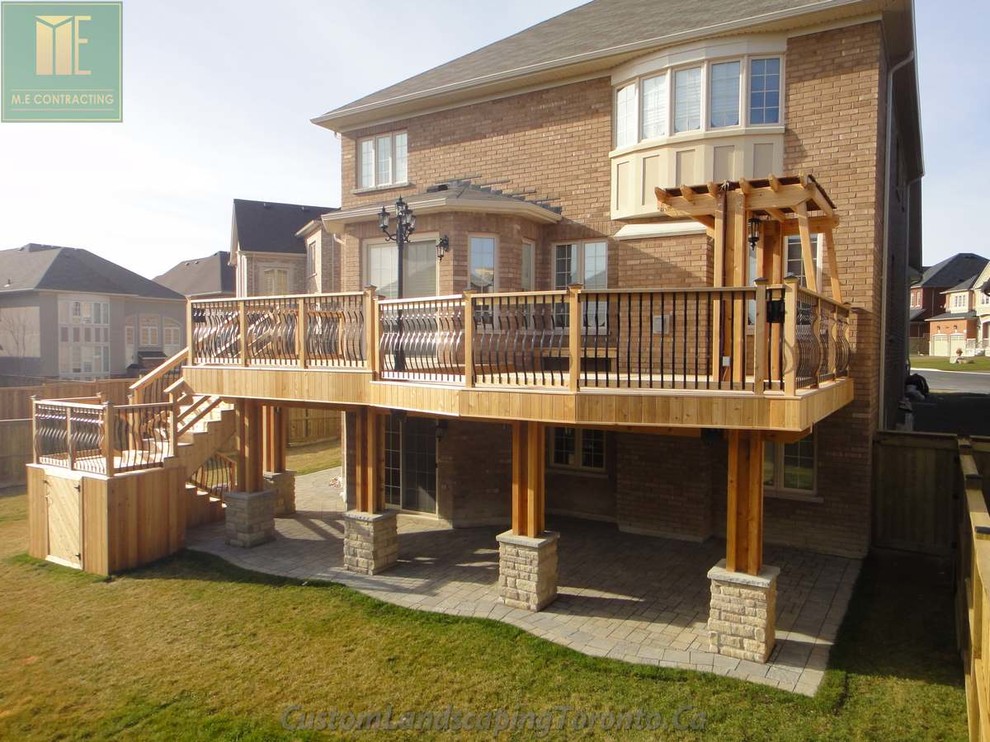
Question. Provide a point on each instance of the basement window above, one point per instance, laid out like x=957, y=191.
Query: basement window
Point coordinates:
x=789, y=469
x=577, y=448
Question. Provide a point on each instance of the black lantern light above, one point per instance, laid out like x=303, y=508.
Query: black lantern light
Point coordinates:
x=443, y=246
x=754, y=231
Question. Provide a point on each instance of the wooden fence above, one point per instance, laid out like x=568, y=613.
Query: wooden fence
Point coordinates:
x=973, y=586
x=915, y=492
x=312, y=425
x=15, y=451
x=15, y=401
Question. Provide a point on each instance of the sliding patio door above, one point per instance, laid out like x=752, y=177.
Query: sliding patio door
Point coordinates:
x=411, y=464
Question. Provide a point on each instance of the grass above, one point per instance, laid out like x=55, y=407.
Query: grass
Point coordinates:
x=192, y=648
x=313, y=457
x=976, y=363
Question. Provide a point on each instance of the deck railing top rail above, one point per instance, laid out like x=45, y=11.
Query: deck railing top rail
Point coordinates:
x=236, y=300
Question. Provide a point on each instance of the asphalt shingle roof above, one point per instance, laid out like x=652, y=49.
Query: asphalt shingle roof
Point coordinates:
x=598, y=28
x=36, y=267
x=265, y=226
x=210, y=275
x=953, y=271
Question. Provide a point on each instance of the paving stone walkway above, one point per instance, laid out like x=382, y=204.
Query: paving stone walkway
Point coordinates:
x=633, y=598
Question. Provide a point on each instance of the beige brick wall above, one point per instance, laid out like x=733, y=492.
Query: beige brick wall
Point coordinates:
x=474, y=472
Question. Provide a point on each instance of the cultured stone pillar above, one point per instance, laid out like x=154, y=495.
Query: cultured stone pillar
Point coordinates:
x=527, y=570
x=371, y=541
x=250, y=518
x=283, y=484
x=743, y=612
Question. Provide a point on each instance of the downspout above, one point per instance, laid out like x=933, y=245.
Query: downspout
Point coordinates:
x=888, y=145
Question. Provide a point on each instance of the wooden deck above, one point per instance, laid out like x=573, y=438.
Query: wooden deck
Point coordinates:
x=769, y=357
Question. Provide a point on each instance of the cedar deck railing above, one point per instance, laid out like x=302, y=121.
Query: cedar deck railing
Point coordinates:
x=754, y=339
x=89, y=435
x=973, y=589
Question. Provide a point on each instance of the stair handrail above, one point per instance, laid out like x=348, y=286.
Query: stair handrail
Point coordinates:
x=139, y=389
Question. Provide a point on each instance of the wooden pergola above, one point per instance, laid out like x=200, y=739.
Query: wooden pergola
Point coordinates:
x=743, y=216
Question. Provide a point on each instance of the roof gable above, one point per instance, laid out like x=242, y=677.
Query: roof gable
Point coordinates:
x=266, y=226
x=212, y=274
x=603, y=30
x=953, y=271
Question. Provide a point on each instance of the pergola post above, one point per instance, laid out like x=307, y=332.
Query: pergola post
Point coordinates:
x=371, y=537
x=744, y=591
x=528, y=552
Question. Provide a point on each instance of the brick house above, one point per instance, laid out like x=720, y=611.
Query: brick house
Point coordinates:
x=279, y=249
x=928, y=297
x=68, y=313
x=657, y=278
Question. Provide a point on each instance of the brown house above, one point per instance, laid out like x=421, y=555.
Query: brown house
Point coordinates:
x=928, y=298
x=654, y=274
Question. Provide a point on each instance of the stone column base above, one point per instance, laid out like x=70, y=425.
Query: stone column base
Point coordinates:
x=371, y=541
x=743, y=612
x=527, y=570
x=250, y=518
x=283, y=484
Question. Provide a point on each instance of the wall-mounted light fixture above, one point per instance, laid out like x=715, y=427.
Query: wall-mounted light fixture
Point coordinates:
x=443, y=247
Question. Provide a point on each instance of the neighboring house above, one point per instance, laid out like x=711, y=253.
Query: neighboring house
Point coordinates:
x=951, y=331
x=981, y=305
x=279, y=249
x=67, y=313
x=211, y=277
x=927, y=298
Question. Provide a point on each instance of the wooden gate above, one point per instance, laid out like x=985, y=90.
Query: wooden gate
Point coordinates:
x=915, y=502
x=64, y=521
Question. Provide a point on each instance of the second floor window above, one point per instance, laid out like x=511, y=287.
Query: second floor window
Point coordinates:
x=382, y=160
x=699, y=97
x=275, y=282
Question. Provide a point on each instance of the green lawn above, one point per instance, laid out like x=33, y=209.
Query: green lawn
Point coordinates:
x=192, y=648
x=976, y=363
x=313, y=457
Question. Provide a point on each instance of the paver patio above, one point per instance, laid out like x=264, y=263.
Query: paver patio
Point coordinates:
x=633, y=598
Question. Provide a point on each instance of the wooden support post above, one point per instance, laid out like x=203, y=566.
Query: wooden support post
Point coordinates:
x=833, y=265
x=107, y=443
x=372, y=344
x=737, y=257
x=760, y=337
x=280, y=438
x=790, y=335
x=302, y=328
x=243, y=330
x=249, y=440
x=70, y=444
x=574, y=335
x=469, y=339
x=34, y=428
x=807, y=255
x=190, y=336
x=367, y=462
x=719, y=280
x=528, y=469
x=744, y=515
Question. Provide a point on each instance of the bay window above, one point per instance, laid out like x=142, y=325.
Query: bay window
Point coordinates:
x=383, y=160
x=699, y=97
x=481, y=252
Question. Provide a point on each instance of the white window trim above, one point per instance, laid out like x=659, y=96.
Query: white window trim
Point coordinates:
x=580, y=261
x=778, y=491
x=495, y=252
x=379, y=241
x=577, y=467
x=376, y=186
x=705, y=62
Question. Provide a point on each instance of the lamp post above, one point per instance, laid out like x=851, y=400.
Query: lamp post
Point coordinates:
x=405, y=225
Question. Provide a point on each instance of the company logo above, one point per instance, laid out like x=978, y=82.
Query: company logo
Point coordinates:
x=61, y=61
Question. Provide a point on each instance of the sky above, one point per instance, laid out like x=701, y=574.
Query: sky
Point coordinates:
x=218, y=98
